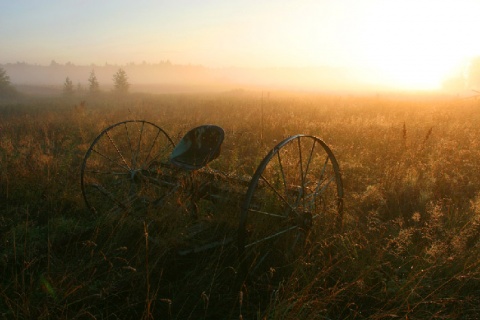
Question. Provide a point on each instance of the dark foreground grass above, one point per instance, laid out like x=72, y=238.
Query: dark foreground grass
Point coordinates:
x=409, y=246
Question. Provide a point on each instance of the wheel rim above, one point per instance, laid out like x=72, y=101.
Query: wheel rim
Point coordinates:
x=296, y=188
x=126, y=168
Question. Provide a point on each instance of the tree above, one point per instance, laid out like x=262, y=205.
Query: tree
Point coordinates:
x=80, y=89
x=68, y=87
x=6, y=88
x=120, y=82
x=94, y=85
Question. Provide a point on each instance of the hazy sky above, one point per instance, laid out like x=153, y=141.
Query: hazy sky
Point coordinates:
x=407, y=42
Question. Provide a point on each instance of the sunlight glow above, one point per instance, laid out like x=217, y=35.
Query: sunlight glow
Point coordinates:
x=416, y=44
x=405, y=44
x=400, y=44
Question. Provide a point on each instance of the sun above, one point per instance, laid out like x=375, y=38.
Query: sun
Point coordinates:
x=417, y=44
x=407, y=44
x=412, y=66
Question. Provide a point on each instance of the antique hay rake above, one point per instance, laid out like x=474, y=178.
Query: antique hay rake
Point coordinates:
x=133, y=167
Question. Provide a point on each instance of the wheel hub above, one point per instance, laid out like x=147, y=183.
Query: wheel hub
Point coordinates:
x=305, y=220
x=135, y=175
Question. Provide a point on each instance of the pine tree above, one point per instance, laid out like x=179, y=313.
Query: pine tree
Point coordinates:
x=6, y=88
x=120, y=82
x=68, y=87
x=94, y=85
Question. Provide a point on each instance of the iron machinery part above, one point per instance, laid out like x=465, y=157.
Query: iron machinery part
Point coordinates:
x=296, y=191
x=198, y=147
x=126, y=168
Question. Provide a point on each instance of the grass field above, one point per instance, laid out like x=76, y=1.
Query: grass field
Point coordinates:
x=409, y=247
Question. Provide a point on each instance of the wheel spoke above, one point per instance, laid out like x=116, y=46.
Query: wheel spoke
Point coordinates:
x=161, y=154
x=127, y=133
x=109, y=195
x=113, y=174
x=151, y=147
x=282, y=172
x=302, y=178
x=309, y=159
x=320, y=191
x=111, y=160
x=108, y=172
x=307, y=171
x=277, y=193
x=135, y=156
x=275, y=235
x=324, y=167
x=267, y=213
x=118, y=151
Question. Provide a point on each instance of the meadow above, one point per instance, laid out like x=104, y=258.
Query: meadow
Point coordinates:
x=409, y=247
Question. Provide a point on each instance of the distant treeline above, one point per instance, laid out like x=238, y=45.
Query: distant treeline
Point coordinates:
x=55, y=73
x=167, y=74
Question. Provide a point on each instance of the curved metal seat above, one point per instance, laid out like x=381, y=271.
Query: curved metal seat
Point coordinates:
x=198, y=147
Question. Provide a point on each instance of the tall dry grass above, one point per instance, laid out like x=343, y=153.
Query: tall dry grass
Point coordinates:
x=409, y=248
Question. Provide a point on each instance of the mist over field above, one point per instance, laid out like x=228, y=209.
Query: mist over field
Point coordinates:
x=166, y=76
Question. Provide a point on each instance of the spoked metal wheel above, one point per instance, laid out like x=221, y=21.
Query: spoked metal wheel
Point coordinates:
x=296, y=189
x=126, y=168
